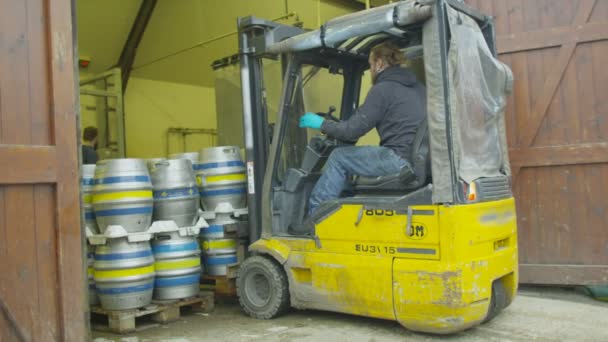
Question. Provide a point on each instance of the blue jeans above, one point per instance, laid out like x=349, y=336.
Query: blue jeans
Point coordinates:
x=344, y=162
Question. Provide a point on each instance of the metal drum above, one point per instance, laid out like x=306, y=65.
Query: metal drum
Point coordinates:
x=175, y=193
x=216, y=229
x=93, y=298
x=122, y=195
x=151, y=161
x=218, y=254
x=178, y=266
x=124, y=274
x=221, y=177
x=191, y=156
x=87, y=175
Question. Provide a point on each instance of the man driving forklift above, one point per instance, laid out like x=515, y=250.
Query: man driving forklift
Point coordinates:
x=437, y=254
x=395, y=105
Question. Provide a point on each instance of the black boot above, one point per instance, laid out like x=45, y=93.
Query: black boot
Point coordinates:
x=406, y=175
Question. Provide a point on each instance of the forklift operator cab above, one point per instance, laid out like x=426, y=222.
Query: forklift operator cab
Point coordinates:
x=436, y=252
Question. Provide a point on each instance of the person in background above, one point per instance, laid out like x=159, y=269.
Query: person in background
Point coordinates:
x=89, y=142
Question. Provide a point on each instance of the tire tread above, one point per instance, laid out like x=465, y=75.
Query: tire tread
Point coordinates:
x=279, y=280
x=498, y=301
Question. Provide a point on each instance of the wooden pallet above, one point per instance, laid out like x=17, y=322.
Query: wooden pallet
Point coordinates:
x=125, y=321
x=222, y=285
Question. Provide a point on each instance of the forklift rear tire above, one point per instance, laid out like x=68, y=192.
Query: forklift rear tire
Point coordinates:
x=262, y=288
x=499, y=300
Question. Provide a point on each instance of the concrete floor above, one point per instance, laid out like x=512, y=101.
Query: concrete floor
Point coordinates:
x=536, y=315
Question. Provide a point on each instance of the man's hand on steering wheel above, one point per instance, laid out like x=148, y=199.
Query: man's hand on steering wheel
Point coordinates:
x=311, y=120
x=315, y=120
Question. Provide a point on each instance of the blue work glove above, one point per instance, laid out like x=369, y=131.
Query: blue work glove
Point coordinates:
x=311, y=120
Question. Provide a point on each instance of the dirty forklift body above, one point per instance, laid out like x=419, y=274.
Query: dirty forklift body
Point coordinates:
x=437, y=254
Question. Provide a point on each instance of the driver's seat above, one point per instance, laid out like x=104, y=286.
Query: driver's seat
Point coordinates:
x=404, y=180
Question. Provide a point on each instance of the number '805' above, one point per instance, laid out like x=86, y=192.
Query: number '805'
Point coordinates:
x=379, y=212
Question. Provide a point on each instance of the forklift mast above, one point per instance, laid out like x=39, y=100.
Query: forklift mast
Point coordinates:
x=255, y=35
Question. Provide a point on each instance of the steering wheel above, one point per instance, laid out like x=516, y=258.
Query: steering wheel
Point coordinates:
x=328, y=114
x=329, y=140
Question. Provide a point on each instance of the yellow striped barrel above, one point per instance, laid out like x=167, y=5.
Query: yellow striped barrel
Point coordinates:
x=221, y=177
x=177, y=266
x=124, y=274
x=122, y=194
x=218, y=254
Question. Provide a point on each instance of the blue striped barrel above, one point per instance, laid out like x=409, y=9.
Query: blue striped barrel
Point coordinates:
x=177, y=266
x=217, y=226
x=93, y=298
x=122, y=194
x=214, y=231
x=175, y=192
x=124, y=274
x=218, y=254
x=221, y=177
x=87, y=175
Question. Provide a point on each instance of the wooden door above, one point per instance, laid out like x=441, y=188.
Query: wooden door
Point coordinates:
x=42, y=283
x=557, y=130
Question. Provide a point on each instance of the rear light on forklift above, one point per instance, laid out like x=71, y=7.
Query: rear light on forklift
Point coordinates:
x=472, y=192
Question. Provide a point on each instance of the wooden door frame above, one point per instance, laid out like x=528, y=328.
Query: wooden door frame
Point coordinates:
x=58, y=164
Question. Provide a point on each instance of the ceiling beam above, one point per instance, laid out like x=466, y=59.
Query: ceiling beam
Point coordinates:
x=129, y=50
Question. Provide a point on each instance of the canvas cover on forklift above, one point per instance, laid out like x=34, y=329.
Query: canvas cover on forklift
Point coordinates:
x=478, y=85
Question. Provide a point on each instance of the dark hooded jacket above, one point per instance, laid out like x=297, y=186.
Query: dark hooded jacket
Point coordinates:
x=395, y=106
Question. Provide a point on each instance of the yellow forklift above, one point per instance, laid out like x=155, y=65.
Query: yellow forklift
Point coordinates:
x=437, y=253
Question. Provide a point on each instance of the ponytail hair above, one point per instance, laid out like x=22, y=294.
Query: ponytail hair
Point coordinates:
x=389, y=53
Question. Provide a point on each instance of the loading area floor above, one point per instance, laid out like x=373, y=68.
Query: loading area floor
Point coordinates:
x=539, y=314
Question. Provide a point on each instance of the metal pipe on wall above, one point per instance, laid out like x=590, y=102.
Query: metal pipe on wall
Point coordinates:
x=184, y=132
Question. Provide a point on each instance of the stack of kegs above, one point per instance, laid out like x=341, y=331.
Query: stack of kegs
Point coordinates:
x=121, y=195
x=93, y=298
x=87, y=181
x=222, y=180
x=178, y=266
x=87, y=173
x=221, y=177
x=125, y=272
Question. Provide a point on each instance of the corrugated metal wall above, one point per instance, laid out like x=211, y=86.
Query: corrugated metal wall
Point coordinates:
x=41, y=272
x=558, y=131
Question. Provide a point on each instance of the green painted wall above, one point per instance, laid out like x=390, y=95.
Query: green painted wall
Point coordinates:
x=178, y=90
x=153, y=106
x=179, y=25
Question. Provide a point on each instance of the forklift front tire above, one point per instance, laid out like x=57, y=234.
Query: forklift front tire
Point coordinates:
x=262, y=288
